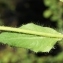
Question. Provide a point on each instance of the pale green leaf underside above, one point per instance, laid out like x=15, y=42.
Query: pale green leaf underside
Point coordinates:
x=32, y=42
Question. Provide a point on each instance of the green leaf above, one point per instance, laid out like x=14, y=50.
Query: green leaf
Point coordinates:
x=33, y=42
x=47, y=13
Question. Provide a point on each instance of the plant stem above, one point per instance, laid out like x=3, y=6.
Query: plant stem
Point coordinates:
x=31, y=32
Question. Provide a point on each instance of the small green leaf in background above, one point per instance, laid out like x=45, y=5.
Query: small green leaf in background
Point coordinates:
x=47, y=13
x=33, y=42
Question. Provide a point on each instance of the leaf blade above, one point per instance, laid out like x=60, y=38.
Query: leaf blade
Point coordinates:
x=32, y=42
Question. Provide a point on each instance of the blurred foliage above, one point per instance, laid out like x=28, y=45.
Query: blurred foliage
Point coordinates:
x=10, y=3
x=9, y=54
x=54, y=11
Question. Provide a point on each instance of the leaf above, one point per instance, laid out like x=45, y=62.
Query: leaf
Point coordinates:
x=47, y=13
x=32, y=42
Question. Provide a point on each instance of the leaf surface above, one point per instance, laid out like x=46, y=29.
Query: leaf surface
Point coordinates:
x=32, y=42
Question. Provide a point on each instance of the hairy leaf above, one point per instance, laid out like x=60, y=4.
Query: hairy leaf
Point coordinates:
x=32, y=42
